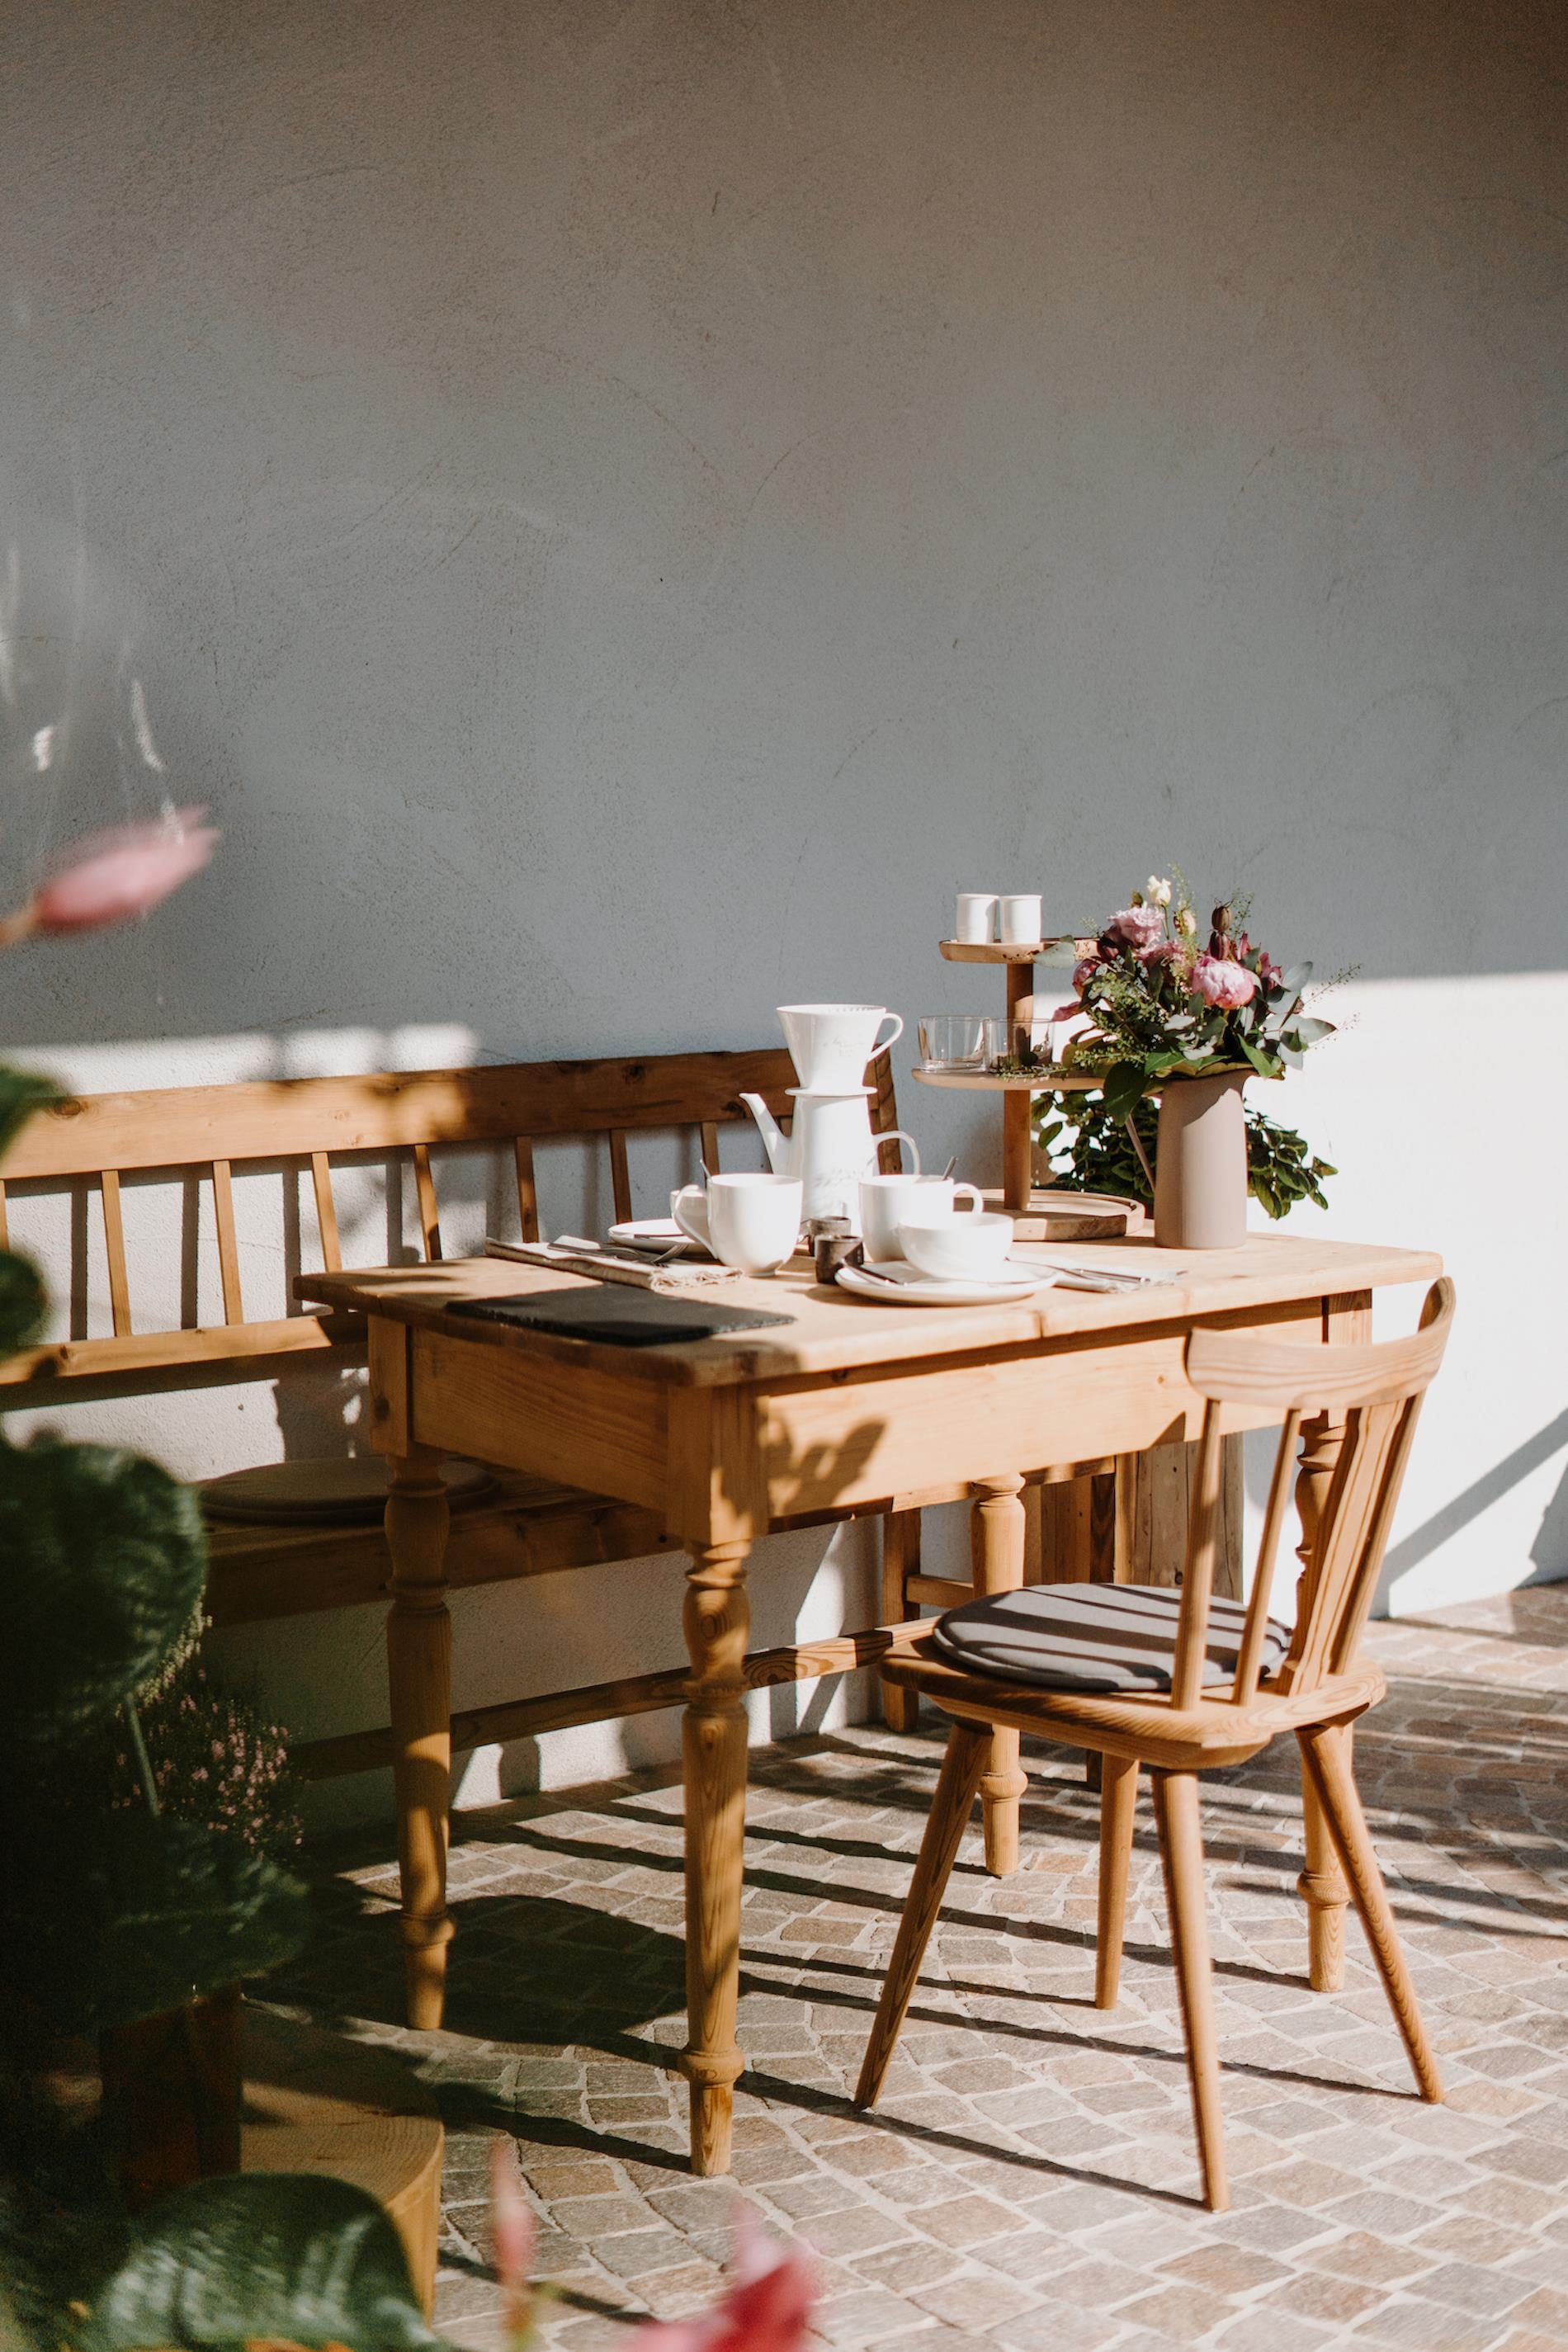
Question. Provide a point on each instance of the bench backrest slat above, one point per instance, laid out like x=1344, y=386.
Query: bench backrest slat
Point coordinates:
x=527, y=1190
x=115, y=1249
x=326, y=1212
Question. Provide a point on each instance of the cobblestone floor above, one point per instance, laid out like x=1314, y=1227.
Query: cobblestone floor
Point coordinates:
x=1030, y=2180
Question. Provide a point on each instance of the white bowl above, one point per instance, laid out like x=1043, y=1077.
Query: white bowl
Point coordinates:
x=971, y=1248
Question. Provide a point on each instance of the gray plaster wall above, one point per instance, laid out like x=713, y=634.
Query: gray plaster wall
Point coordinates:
x=621, y=509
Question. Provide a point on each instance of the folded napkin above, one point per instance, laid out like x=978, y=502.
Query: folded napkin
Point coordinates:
x=682, y=1275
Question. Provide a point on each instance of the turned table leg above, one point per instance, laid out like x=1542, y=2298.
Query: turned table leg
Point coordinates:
x=419, y=1673
x=717, y=1618
x=996, y=1551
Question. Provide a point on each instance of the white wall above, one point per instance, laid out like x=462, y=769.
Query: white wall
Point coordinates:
x=621, y=509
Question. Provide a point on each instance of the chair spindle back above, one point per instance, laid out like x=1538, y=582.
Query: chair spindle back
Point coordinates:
x=1371, y=1394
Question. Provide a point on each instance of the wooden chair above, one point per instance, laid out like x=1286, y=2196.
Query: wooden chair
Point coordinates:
x=1200, y=1695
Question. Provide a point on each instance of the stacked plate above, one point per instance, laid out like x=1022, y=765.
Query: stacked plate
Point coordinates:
x=894, y=1282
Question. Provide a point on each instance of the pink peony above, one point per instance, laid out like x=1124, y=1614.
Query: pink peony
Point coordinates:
x=1222, y=984
x=1141, y=928
x=109, y=876
x=765, y=2307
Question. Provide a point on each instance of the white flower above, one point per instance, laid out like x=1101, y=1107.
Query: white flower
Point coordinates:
x=1156, y=891
x=1187, y=923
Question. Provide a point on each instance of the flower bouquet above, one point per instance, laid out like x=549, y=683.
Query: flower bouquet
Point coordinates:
x=1165, y=1011
x=1160, y=1006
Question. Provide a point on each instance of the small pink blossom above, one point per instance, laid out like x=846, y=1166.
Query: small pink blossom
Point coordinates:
x=511, y=2228
x=1141, y=928
x=111, y=875
x=1082, y=974
x=765, y=2307
x=1222, y=983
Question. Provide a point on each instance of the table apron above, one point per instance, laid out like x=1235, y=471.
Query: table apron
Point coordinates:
x=832, y=1447
x=520, y=1412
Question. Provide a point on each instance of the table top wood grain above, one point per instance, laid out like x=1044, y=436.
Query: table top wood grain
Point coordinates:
x=831, y=1332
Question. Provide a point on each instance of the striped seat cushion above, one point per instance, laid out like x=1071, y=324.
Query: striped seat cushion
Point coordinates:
x=1104, y=1638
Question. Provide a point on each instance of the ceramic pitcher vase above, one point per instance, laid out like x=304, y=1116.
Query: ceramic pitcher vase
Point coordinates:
x=1200, y=1169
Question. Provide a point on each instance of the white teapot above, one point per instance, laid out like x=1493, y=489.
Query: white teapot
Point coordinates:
x=829, y=1147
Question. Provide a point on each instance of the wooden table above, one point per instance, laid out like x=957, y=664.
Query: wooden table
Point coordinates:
x=849, y=1405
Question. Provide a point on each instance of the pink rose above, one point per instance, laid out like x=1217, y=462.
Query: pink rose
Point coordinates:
x=1141, y=928
x=1221, y=983
x=109, y=876
x=1082, y=974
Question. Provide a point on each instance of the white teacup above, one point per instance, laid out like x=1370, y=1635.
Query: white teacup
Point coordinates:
x=887, y=1200
x=749, y=1221
x=958, y=1249
x=831, y=1043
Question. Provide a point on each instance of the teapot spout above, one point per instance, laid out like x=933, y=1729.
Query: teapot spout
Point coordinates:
x=776, y=1142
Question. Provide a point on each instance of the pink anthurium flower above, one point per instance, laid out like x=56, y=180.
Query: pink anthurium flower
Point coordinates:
x=765, y=2307
x=108, y=877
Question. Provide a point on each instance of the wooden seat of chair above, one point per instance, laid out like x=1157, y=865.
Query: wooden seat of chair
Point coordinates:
x=1363, y=1400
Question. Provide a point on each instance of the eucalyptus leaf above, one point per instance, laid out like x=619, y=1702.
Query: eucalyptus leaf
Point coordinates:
x=285, y=2258
x=1307, y=1030
x=1124, y=1088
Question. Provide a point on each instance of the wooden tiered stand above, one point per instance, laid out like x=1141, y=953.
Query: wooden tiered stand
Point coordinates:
x=1122, y=1520
x=1017, y=962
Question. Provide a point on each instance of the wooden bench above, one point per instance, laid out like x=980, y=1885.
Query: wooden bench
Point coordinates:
x=309, y=1545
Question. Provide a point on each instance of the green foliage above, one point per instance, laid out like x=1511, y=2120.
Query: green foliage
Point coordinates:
x=1091, y=1151
x=274, y=2257
x=105, y=1561
x=22, y=1092
x=22, y=1303
x=108, y=1916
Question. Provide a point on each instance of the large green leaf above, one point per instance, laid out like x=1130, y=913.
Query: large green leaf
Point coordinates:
x=293, y=2258
x=21, y=1303
x=109, y=1916
x=105, y=1559
x=22, y=1092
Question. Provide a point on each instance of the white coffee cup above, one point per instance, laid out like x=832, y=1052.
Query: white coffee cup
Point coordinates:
x=1021, y=917
x=831, y=1043
x=749, y=1221
x=958, y=1249
x=887, y=1200
x=976, y=925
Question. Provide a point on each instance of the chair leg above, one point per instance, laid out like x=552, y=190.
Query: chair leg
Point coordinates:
x=1326, y=1753
x=1118, y=1804
x=1181, y=1856
x=968, y=1748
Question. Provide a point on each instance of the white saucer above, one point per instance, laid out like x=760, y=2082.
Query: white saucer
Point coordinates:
x=905, y=1288
x=655, y=1234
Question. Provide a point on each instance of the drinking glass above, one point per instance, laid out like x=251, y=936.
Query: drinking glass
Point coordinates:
x=961, y=1040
